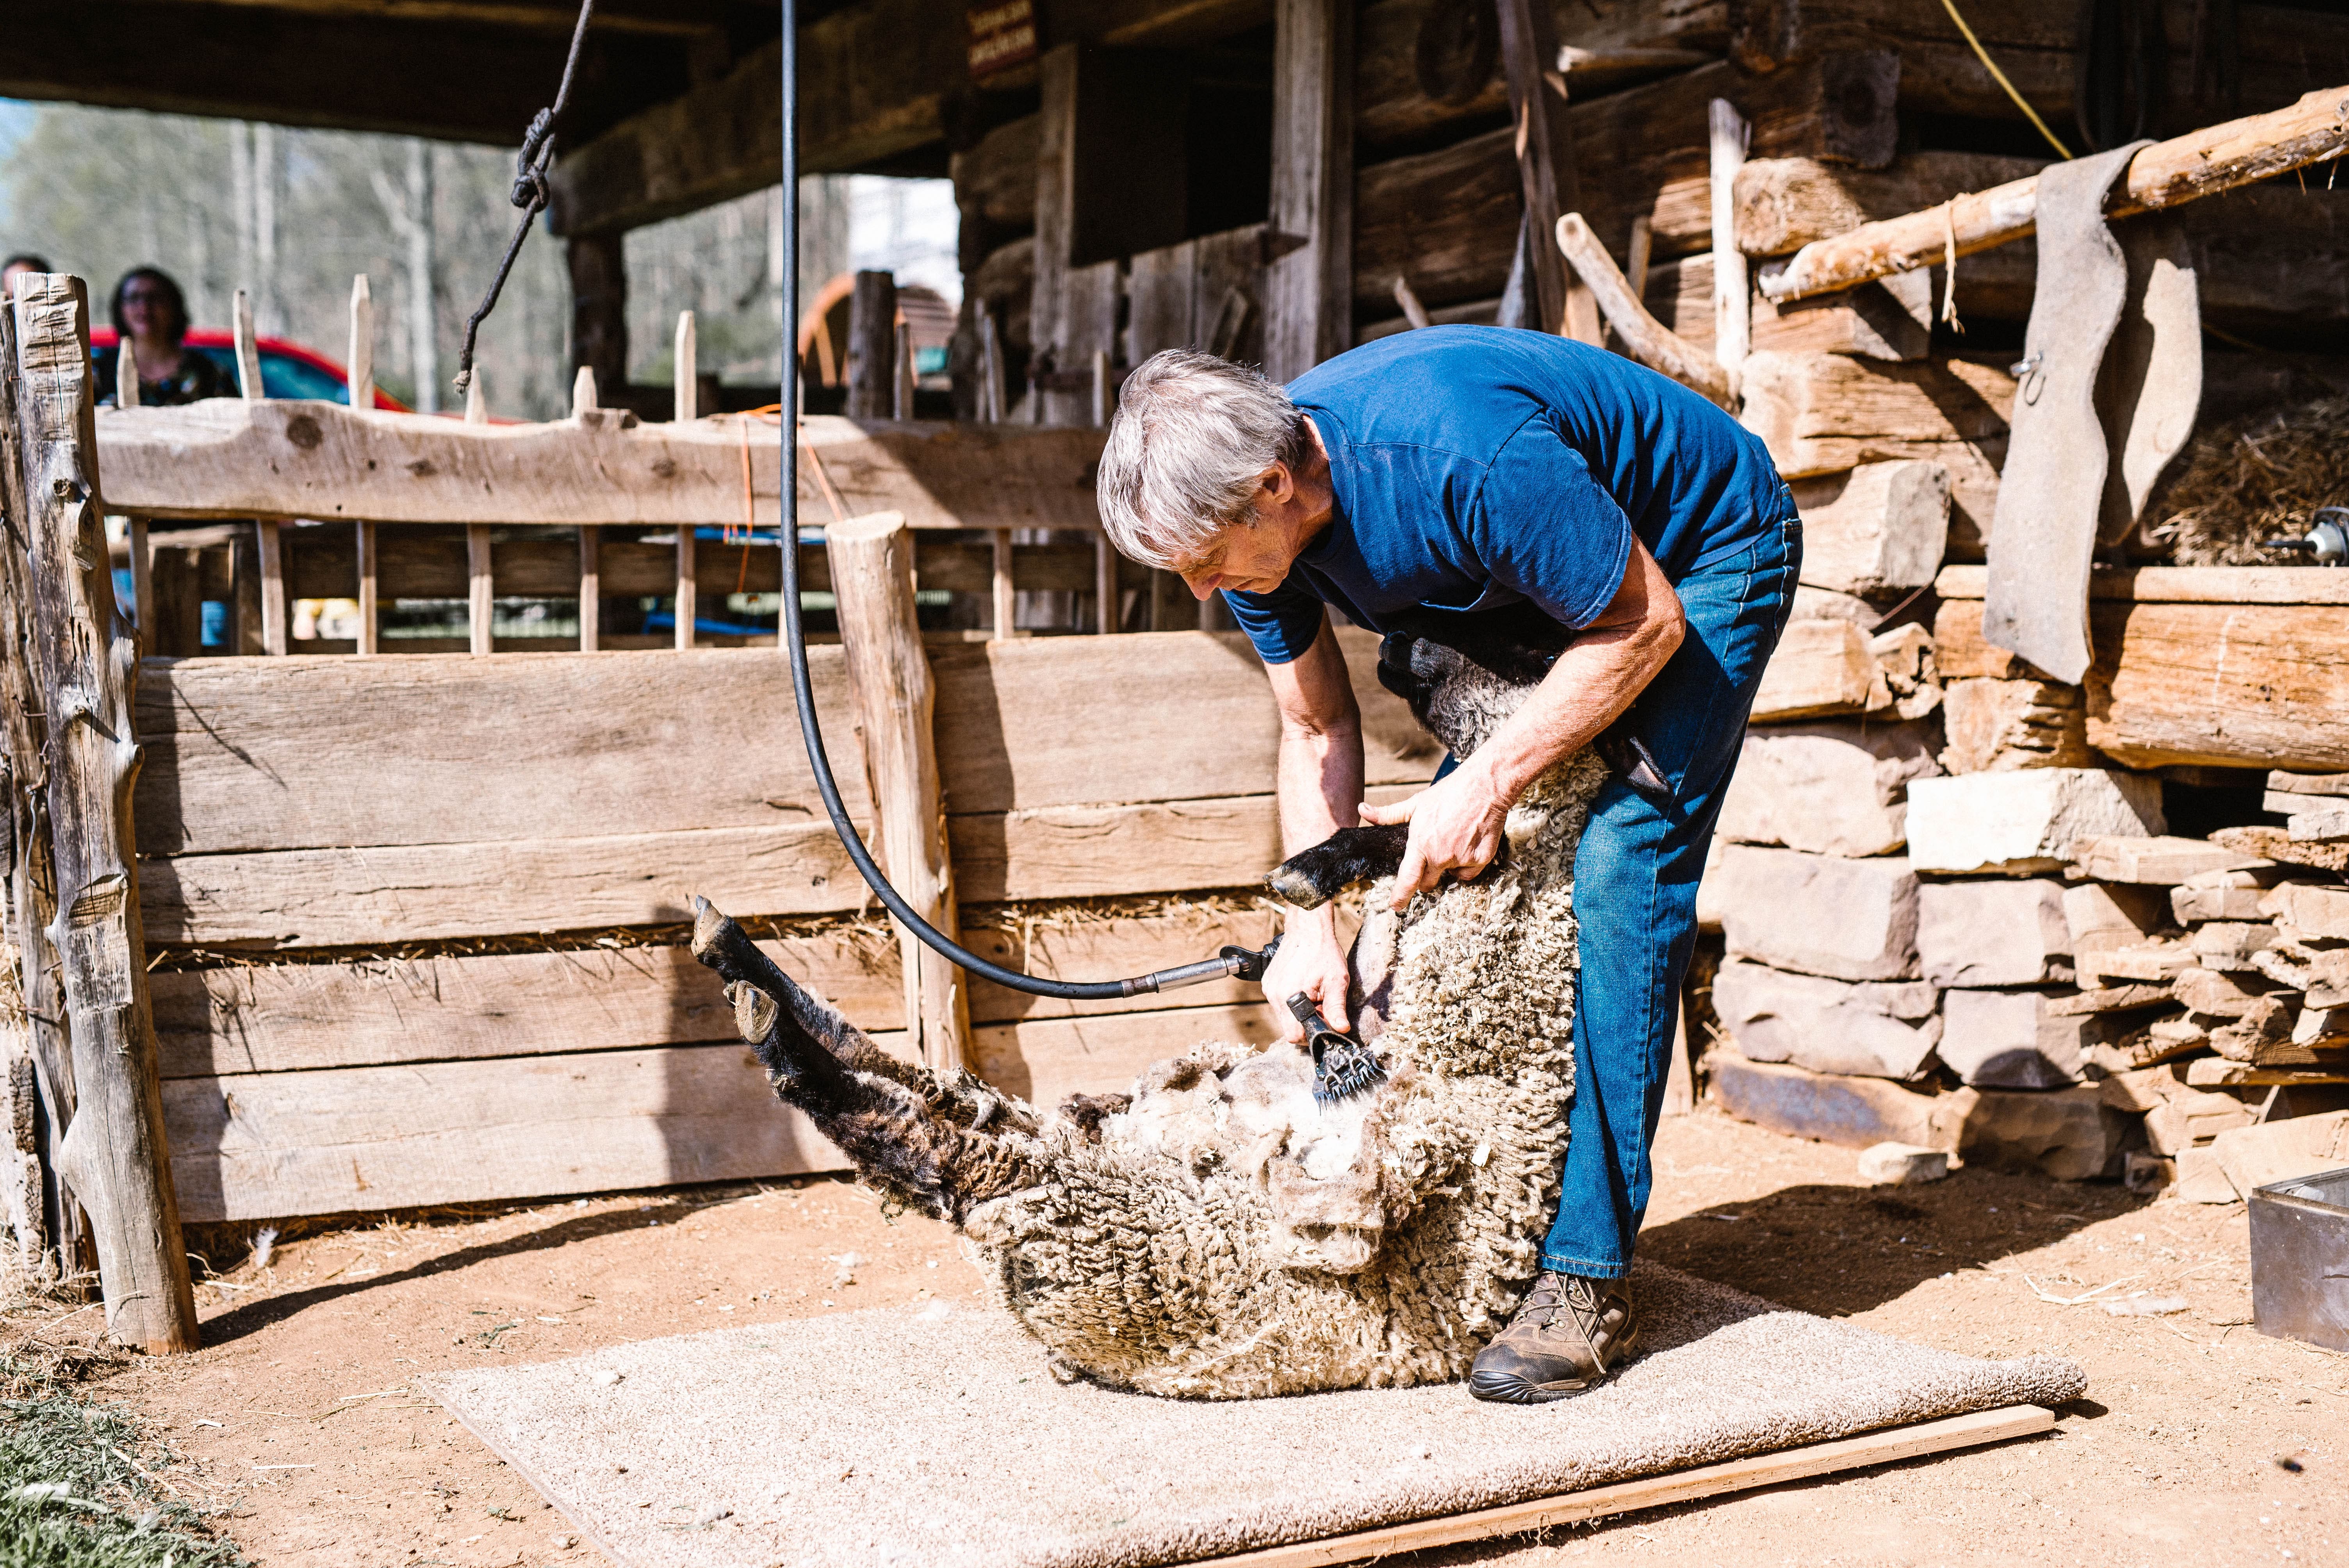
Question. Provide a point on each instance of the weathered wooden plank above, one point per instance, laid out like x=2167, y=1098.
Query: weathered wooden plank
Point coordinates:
x=1822, y=413
x=251, y=1146
x=373, y=1012
x=291, y=754
x=1308, y=311
x=1785, y=203
x=289, y=458
x=369, y=897
x=286, y=756
x=265, y=1145
x=2183, y=585
x=86, y=660
x=1048, y=1060
x=1057, y=721
x=2242, y=684
x=1447, y=219
x=1103, y=852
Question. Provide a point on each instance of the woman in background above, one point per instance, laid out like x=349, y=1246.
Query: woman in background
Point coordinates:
x=151, y=319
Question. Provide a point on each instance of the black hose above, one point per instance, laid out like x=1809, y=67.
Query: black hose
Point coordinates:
x=1233, y=961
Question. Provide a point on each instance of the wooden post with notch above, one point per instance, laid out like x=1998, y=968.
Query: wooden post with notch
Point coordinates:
x=1308, y=282
x=114, y=1154
x=689, y=595
x=32, y=889
x=872, y=560
x=1545, y=161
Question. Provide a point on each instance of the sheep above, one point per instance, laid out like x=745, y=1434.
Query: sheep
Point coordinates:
x=1217, y=1232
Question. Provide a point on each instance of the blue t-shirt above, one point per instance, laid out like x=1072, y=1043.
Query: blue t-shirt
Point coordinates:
x=1478, y=467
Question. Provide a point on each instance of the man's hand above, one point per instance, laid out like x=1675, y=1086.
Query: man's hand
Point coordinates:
x=1456, y=825
x=1313, y=961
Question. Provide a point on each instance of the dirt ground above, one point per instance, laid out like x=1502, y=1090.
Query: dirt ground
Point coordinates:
x=2202, y=1441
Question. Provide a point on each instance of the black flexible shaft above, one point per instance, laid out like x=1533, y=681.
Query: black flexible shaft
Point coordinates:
x=1232, y=962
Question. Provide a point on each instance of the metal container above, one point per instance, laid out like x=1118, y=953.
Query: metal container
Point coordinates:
x=2299, y=1259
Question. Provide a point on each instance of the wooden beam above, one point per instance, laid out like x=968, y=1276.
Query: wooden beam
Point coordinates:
x=223, y=459
x=1870, y=1448
x=554, y=18
x=455, y=78
x=873, y=346
x=2165, y=175
x=1448, y=218
x=31, y=904
x=1649, y=340
x=895, y=696
x=1822, y=412
x=87, y=662
x=2181, y=584
x=599, y=305
x=591, y=587
x=1784, y=203
x=1074, y=311
x=1733, y=308
x=1547, y=172
x=1001, y=600
x=1308, y=308
x=359, y=368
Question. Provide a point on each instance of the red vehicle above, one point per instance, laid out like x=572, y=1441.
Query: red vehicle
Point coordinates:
x=287, y=369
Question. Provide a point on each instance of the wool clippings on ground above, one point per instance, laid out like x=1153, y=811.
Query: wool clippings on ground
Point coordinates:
x=874, y=1440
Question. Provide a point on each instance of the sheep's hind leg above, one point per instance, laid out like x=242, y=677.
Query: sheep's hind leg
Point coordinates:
x=1311, y=878
x=798, y=1039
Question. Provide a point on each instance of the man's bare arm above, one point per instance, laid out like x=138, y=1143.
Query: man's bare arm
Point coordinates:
x=1456, y=824
x=1320, y=786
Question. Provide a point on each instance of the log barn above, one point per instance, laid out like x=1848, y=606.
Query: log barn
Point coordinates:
x=405, y=918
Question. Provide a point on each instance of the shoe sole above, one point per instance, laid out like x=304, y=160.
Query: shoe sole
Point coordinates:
x=1510, y=1388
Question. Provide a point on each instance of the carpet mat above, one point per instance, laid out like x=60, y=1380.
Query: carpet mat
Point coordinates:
x=937, y=1438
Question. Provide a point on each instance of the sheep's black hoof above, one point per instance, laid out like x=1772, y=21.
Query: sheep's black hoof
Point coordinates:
x=1311, y=878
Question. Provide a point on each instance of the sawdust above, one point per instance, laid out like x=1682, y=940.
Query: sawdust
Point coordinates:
x=2258, y=478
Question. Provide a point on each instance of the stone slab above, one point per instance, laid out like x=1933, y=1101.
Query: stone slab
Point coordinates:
x=1820, y=915
x=1885, y=1029
x=1853, y=1112
x=1831, y=787
x=1994, y=932
x=2025, y=821
x=2009, y=1040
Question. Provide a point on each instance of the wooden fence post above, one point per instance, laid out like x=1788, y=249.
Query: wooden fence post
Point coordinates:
x=889, y=677
x=114, y=1152
x=1309, y=284
x=31, y=889
x=873, y=346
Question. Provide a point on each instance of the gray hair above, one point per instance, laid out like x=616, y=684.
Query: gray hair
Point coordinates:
x=1191, y=436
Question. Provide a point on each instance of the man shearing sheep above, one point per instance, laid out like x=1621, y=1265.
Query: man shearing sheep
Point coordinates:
x=1470, y=468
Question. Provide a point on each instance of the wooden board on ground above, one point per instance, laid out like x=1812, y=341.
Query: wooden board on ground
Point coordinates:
x=248, y=1146
x=293, y=458
x=283, y=754
x=1870, y=1448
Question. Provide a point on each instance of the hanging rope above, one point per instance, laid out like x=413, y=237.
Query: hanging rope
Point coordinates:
x=530, y=194
x=1999, y=76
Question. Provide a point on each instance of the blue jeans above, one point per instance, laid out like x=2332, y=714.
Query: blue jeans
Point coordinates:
x=1635, y=881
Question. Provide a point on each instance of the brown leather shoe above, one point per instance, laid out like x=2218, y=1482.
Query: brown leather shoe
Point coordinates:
x=1567, y=1336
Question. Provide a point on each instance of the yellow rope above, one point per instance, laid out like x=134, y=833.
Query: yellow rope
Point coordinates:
x=1999, y=76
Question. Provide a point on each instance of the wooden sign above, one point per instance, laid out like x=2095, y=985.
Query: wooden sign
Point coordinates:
x=1001, y=36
